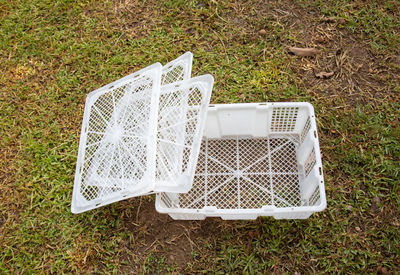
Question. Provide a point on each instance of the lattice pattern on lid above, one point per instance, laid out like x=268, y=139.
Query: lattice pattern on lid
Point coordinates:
x=139, y=138
x=114, y=148
x=182, y=110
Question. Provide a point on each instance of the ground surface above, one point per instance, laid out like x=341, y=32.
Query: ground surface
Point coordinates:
x=52, y=53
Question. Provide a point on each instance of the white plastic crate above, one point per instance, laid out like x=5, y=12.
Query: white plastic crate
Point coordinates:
x=256, y=159
x=139, y=137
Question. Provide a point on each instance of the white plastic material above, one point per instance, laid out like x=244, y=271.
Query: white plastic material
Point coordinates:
x=178, y=69
x=256, y=159
x=181, y=119
x=117, y=146
x=139, y=137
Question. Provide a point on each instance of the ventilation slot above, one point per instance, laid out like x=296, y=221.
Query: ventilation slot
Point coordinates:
x=310, y=162
x=284, y=119
x=314, y=197
x=306, y=128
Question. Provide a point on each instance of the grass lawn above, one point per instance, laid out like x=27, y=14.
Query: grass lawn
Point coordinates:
x=53, y=53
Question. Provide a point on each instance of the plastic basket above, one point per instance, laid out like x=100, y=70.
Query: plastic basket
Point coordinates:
x=258, y=159
x=133, y=127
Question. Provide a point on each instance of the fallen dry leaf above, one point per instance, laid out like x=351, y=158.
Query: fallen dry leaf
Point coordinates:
x=253, y=234
x=382, y=270
x=304, y=51
x=324, y=74
x=329, y=19
x=262, y=32
x=349, y=207
x=321, y=39
x=341, y=21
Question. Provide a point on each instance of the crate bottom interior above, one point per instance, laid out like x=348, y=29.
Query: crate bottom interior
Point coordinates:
x=246, y=173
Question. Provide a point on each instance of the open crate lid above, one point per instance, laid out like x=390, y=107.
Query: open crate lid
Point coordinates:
x=181, y=120
x=118, y=130
x=125, y=132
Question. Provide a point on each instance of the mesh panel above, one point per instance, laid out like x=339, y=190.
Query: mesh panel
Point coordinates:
x=116, y=142
x=245, y=173
x=305, y=130
x=286, y=190
x=283, y=155
x=255, y=190
x=174, y=74
x=180, y=111
x=310, y=162
x=314, y=197
x=284, y=119
x=222, y=191
x=195, y=197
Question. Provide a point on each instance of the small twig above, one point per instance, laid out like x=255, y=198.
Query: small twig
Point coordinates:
x=137, y=212
x=223, y=45
x=283, y=12
x=151, y=245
